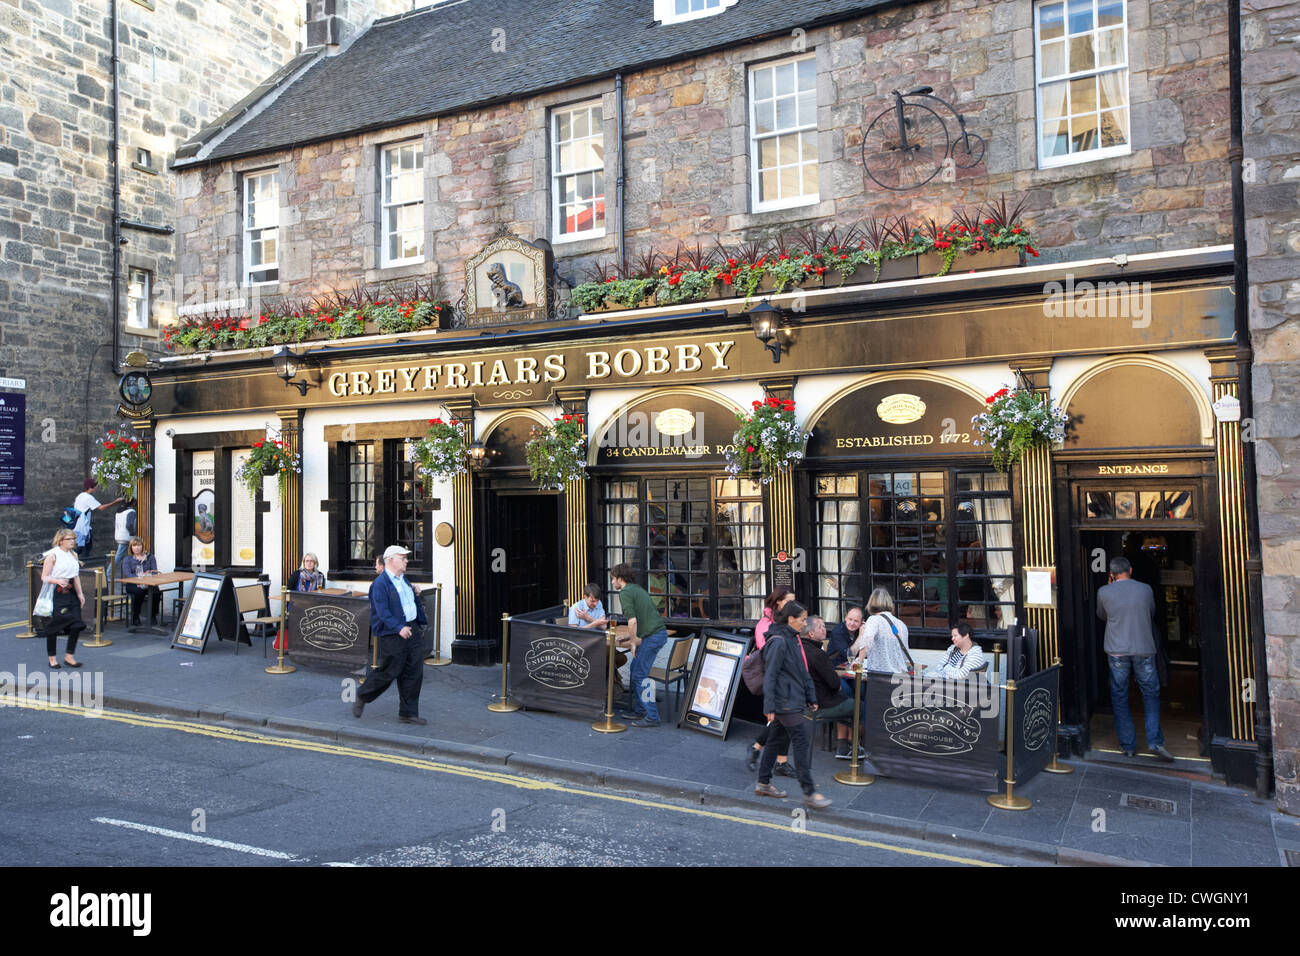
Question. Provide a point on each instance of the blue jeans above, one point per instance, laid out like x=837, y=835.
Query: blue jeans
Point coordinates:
x=639, y=676
x=1143, y=668
x=117, y=558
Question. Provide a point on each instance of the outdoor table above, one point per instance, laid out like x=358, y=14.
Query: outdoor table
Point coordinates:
x=162, y=582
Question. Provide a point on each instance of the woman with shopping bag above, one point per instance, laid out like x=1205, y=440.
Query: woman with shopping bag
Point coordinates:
x=61, y=598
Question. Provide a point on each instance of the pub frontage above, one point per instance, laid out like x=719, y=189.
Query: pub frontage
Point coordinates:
x=894, y=488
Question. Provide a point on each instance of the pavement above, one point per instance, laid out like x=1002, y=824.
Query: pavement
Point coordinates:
x=1118, y=812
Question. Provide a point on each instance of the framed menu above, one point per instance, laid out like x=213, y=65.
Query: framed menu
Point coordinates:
x=711, y=692
x=211, y=604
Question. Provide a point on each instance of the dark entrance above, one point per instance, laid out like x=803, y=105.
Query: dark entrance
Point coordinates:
x=520, y=564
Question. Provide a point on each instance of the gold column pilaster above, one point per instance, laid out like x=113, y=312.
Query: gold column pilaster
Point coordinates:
x=462, y=501
x=574, y=402
x=291, y=503
x=1230, y=472
x=144, y=489
x=1038, y=518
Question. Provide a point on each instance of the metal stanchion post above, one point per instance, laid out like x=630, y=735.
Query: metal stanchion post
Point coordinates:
x=851, y=777
x=503, y=706
x=31, y=601
x=98, y=640
x=1056, y=766
x=1009, y=801
x=997, y=658
x=280, y=667
x=437, y=660
x=609, y=725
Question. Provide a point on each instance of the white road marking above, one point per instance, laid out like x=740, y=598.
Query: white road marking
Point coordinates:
x=195, y=838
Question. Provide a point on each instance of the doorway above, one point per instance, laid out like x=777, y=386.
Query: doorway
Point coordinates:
x=521, y=561
x=1166, y=560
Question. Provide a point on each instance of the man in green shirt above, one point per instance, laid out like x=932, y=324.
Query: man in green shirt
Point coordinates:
x=648, y=636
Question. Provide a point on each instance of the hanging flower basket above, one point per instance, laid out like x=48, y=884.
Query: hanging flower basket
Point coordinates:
x=271, y=456
x=440, y=454
x=558, y=454
x=1015, y=421
x=767, y=442
x=121, y=462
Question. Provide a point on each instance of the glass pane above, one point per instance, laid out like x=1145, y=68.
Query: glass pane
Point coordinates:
x=767, y=153
x=596, y=119
x=1083, y=132
x=809, y=142
x=563, y=126
x=1114, y=128
x=1053, y=58
x=807, y=108
x=785, y=112
x=1179, y=504
x=580, y=124
x=1080, y=16
x=1056, y=139
x=847, y=485
x=807, y=74
x=787, y=150
x=1126, y=504
x=1110, y=13
x=1083, y=95
x=764, y=117
x=1053, y=97
x=1110, y=48
x=810, y=179
x=1081, y=54
x=784, y=78
x=790, y=181
x=1051, y=20
x=1151, y=504
x=566, y=157
x=1100, y=505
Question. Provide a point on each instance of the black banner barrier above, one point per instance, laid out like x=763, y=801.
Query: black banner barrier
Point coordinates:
x=328, y=628
x=1034, y=722
x=934, y=730
x=711, y=692
x=556, y=667
x=1022, y=652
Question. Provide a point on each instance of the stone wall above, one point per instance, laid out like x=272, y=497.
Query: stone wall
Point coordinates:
x=1271, y=107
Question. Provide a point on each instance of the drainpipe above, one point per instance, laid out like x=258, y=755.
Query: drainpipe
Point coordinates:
x=1241, y=288
x=621, y=177
x=117, y=202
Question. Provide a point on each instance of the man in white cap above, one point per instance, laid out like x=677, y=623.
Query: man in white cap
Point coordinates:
x=397, y=620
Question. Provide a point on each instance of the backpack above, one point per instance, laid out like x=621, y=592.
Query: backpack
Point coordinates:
x=752, y=672
x=68, y=517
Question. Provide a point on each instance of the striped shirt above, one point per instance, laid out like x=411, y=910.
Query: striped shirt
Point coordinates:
x=957, y=664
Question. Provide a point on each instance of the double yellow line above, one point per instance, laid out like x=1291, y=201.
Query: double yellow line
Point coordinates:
x=236, y=735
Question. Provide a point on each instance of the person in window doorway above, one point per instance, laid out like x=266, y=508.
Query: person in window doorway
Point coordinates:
x=648, y=634
x=1128, y=607
x=397, y=620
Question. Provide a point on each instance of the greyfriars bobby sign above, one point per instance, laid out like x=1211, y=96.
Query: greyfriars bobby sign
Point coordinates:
x=507, y=283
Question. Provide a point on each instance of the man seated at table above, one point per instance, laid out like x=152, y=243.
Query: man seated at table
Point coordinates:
x=964, y=657
x=588, y=611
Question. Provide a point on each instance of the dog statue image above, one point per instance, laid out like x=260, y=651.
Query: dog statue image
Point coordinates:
x=505, y=294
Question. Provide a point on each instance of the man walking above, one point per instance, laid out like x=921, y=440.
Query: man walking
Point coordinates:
x=1128, y=607
x=397, y=621
x=648, y=636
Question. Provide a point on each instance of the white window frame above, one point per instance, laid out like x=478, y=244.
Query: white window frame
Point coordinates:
x=558, y=175
x=1099, y=152
x=805, y=199
x=666, y=11
x=139, y=314
x=246, y=183
x=386, y=205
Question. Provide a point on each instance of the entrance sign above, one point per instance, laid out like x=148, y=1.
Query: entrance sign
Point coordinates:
x=711, y=693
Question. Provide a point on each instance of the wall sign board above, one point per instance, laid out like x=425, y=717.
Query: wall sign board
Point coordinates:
x=898, y=417
x=13, y=439
x=211, y=603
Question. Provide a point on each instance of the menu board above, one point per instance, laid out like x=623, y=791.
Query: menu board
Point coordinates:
x=711, y=694
x=243, y=515
x=203, y=516
x=211, y=604
x=13, y=437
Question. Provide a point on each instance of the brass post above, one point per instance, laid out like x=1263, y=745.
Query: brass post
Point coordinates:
x=282, y=632
x=503, y=706
x=437, y=660
x=609, y=725
x=98, y=640
x=1009, y=801
x=1055, y=766
x=31, y=602
x=851, y=777
x=997, y=655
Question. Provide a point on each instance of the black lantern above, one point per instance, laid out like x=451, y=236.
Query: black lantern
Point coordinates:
x=477, y=452
x=288, y=364
x=769, y=323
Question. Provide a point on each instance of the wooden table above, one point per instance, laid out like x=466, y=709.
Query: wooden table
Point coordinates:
x=160, y=581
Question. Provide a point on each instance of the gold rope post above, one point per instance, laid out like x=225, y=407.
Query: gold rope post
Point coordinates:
x=997, y=656
x=609, y=725
x=1009, y=801
x=503, y=706
x=1056, y=766
x=437, y=660
x=851, y=777
x=99, y=618
x=282, y=632
x=31, y=603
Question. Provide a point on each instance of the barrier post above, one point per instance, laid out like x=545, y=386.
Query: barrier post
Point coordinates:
x=1056, y=766
x=609, y=725
x=503, y=706
x=1009, y=801
x=437, y=660
x=997, y=656
x=851, y=777
x=98, y=640
x=31, y=601
x=280, y=667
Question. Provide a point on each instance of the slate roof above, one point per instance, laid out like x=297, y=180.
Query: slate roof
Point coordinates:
x=440, y=60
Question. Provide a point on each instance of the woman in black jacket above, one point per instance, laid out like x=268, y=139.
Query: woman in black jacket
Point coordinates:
x=787, y=690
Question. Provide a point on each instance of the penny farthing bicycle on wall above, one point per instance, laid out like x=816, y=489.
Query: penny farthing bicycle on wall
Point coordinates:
x=906, y=145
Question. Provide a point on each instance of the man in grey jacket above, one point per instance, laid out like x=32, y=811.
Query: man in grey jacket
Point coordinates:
x=1128, y=607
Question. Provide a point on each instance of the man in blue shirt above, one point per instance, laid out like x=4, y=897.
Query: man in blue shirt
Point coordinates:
x=588, y=611
x=397, y=620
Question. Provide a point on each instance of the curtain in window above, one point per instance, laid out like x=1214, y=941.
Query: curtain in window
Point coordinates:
x=994, y=515
x=752, y=571
x=837, y=539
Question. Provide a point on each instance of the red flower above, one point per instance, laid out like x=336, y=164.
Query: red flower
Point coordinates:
x=789, y=404
x=257, y=444
x=1015, y=231
x=988, y=222
x=757, y=403
x=749, y=449
x=436, y=421
x=774, y=402
x=1031, y=251
x=432, y=420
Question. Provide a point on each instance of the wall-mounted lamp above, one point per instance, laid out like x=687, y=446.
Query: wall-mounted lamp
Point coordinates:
x=769, y=322
x=477, y=452
x=288, y=364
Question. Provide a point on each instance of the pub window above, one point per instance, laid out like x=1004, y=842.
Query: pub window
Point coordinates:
x=261, y=228
x=383, y=503
x=939, y=540
x=403, y=201
x=361, y=545
x=697, y=542
x=1082, y=80
x=578, y=168
x=407, y=496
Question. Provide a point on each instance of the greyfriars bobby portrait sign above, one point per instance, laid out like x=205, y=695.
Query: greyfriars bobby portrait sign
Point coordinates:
x=507, y=283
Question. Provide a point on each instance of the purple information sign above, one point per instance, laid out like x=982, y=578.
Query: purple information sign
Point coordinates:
x=13, y=438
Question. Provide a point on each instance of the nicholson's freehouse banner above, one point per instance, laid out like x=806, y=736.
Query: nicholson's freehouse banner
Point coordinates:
x=556, y=667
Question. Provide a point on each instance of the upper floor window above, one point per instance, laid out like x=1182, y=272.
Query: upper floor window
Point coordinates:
x=403, y=202
x=578, y=161
x=675, y=11
x=138, y=287
x=261, y=228
x=1082, y=80
x=783, y=133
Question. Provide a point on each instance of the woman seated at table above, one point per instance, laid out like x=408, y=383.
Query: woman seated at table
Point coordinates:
x=308, y=577
x=965, y=657
x=139, y=563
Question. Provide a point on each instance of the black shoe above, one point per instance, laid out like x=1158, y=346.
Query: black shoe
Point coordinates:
x=645, y=722
x=1163, y=754
x=783, y=770
x=407, y=719
x=136, y=623
x=357, y=707
x=751, y=762
x=842, y=750
x=1130, y=753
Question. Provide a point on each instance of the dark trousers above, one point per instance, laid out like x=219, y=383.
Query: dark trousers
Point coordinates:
x=138, y=595
x=66, y=618
x=796, y=726
x=400, y=660
x=776, y=733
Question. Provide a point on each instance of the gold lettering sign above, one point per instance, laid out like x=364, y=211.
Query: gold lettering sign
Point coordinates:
x=1132, y=469
x=900, y=409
